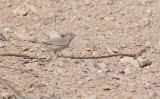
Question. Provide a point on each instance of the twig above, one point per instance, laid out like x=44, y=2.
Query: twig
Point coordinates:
x=19, y=55
x=141, y=52
x=91, y=57
x=22, y=71
x=15, y=92
x=13, y=68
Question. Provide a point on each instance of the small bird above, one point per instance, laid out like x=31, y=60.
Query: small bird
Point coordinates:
x=58, y=43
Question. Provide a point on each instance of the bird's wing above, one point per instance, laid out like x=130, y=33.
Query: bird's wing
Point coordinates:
x=56, y=42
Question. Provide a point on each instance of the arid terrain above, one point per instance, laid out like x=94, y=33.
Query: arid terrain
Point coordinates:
x=102, y=27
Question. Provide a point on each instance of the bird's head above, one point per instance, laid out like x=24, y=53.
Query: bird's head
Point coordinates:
x=70, y=35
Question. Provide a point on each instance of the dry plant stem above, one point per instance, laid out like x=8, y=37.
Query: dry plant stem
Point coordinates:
x=13, y=69
x=15, y=92
x=91, y=57
x=22, y=71
x=141, y=52
x=19, y=55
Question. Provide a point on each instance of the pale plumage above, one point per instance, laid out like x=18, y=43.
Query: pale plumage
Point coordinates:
x=59, y=43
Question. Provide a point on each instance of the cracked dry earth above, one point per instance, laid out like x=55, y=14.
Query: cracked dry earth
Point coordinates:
x=102, y=27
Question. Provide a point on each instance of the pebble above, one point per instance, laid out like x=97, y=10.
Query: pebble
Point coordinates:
x=109, y=50
x=2, y=37
x=76, y=45
x=129, y=60
x=22, y=35
x=48, y=19
x=2, y=44
x=90, y=97
x=107, y=1
x=53, y=35
x=22, y=11
x=146, y=1
x=87, y=2
x=152, y=93
x=132, y=87
x=7, y=30
x=91, y=67
x=4, y=95
x=95, y=53
x=33, y=8
x=102, y=65
x=145, y=63
x=107, y=18
x=128, y=70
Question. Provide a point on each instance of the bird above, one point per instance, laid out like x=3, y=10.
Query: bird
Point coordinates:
x=58, y=43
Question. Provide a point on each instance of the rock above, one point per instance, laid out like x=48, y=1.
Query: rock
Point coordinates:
x=129, y=60
x=109, y=50
x=22, y=11
x=7, y=30
x=90, y=97
x=107, y=1
x=87, y=2
x=48, y=19
x=4, y=95
x=115, y=50
x=146, y=1
x=109, y=18
x=2, y=37
x=2, y=44
x=22, y=35
x=128, y=70
x=76, y=45
x=95, y=53
x=33, y=9
x=91, y=67
x=152, y=94
x=53, y=35
x=145, y=63
x=132, y=87
x=102, y=65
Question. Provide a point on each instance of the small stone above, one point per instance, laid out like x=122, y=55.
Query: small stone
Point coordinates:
x=123, y=45
x=4, y=94
x=107, y=1
x=76, y=45
x=145, y=63
x=87, y=2
x=109, y=51
x=99, y=72
x=128, y=70
x=149, y=11
x=146, y=1
x=53, y=35
x=33, y=9
x=95, y=53
x=107, y=18
x=22, y=35
x=2, y=37
x=7, y=30
x=115, y=50
x=129, y=60
x=48, y=19
x=102, y=65
x=132, y=87
x=153, y=94
x=2, y=45
x=90, y=97
x=21, y=11
x=91, y=67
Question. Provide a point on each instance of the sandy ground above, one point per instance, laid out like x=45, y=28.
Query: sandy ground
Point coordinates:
x=102, y=27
